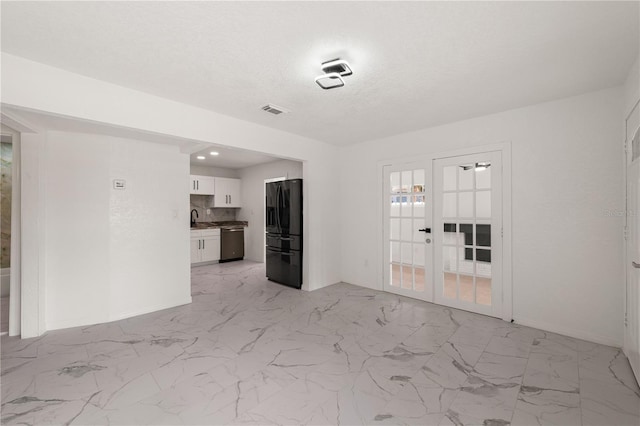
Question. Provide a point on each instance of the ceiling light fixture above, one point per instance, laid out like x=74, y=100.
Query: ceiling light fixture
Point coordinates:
x=214, y=153
x=333, y=70
x=330, y=81
x=200, y=157
x=337, y=65
x=477, y=166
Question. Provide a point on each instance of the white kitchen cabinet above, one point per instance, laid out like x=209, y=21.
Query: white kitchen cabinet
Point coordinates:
x=228, y=192
x=205, y=245
x=203, y=185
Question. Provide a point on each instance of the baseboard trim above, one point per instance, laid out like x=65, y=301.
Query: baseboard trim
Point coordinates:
x=120, y=316
x=568, y=331
x=305, y=288
x=149, y=309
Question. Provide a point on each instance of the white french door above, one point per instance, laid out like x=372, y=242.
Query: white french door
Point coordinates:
x=467, y=231
x=407, y=210
x=443, y=231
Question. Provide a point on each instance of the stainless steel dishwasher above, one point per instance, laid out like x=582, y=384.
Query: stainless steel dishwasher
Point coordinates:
x=231, y=243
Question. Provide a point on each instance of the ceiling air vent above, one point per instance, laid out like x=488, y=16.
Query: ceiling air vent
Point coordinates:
x=274, y=109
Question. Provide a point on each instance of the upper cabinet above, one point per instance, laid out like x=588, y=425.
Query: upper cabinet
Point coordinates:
x=204, y=185
x=227, y=193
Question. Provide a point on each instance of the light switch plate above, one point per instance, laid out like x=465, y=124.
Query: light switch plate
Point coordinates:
x=119, y=184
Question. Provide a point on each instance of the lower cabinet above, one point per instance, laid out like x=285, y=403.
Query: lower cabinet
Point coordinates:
x=205, y=245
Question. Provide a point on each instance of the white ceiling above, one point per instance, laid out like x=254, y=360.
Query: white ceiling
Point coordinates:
x=229, y=158
x=416, y=64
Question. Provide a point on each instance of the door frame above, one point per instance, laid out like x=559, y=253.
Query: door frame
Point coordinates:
x=507, y=258
x=627, y=162
x=15, y=286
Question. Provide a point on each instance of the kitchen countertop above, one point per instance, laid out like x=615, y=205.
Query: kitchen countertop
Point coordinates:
x=214, y=225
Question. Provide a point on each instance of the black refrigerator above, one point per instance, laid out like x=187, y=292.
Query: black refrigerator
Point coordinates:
x=284, y=232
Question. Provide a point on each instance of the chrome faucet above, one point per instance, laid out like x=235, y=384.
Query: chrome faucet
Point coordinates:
x=193, y=221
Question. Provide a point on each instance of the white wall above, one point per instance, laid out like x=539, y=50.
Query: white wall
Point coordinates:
x=567, y=270
x=33, y=235
x=214, y=171
x=632, y=88
x=253, y=200
x=112, y=254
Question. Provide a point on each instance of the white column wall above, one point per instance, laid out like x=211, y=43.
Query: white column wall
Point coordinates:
x=77, y=226
x=32, y=245
x=149, y=235
x=110, y=253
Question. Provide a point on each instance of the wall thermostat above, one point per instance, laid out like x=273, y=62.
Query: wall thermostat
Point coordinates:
x=119, y=184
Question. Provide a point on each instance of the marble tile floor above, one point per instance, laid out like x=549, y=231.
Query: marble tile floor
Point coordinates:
x=248, y=351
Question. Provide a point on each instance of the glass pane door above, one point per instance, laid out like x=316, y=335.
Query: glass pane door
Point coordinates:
x=408, y=253
x=467, y=234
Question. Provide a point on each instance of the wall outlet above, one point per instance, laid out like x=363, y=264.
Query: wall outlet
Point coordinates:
x=208, y=211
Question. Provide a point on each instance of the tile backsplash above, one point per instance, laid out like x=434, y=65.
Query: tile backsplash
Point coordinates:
x=203, y=202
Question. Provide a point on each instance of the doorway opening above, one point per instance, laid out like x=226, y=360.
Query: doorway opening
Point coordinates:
x=6, y=180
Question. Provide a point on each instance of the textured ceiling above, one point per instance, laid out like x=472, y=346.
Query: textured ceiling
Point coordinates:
x=416, y=64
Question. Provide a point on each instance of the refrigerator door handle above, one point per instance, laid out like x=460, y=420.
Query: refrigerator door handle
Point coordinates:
x=278, y=208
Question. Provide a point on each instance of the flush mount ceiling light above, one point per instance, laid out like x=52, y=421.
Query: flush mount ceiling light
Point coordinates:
x=477, y=166
x=200, y=157
x=214, y=153
x=330, y=81
x=334, y=70
x=337, y=65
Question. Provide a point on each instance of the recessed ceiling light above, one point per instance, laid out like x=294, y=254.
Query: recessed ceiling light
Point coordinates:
x=200, y=157
x=214, y=153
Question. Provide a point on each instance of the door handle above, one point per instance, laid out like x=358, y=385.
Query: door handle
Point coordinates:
x=636, y=265
x=198, y=244
x=202, y=244
x=427, y=230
